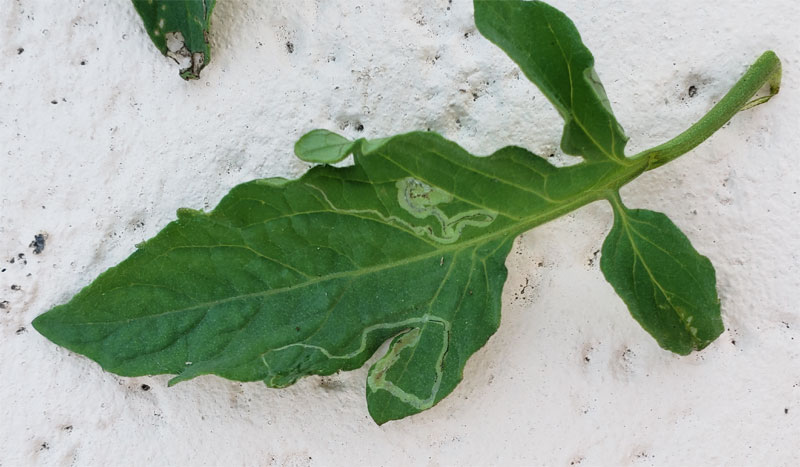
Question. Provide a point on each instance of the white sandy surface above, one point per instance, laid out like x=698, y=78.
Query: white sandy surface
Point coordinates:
x=101, y=141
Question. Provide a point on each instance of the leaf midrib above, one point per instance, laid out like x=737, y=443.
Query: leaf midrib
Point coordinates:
x=629, y=231
x=623, y=175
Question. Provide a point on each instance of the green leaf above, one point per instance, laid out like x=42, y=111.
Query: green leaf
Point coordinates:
x=669, y=287
x=323, y=147
x=288, y=278
x=547, y=47
x=326, y=147
x=179, y=29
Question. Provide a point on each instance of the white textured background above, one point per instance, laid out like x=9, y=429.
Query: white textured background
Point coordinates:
x=101, y=141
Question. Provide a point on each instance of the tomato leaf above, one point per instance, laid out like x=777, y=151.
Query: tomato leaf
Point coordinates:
x=669, y=287
x=288, y=278
x=548, y=48
x=179, y=29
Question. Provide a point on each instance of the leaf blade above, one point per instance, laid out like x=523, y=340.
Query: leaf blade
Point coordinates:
x=287, y=278
x=186, y=21
x=668, y=287
x=318, y=272
x=323, y=147
x=548, y=48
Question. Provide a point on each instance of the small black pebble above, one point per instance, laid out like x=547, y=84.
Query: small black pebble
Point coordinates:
x=54, y=102
x=37, y=244
x=692, y=91
x=15, y=287
x=359, y=127
x=20, y=50
x=289, y=47
x=20, y=330
x=786, y=410
x=145, y=387
x=83, y=62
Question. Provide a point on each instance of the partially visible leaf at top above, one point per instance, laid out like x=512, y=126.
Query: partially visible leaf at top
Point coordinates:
x=547, y=47
x=179, y=29
x=669, y=287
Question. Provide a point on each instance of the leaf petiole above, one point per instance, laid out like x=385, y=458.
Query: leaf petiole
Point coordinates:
x=765, y=70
